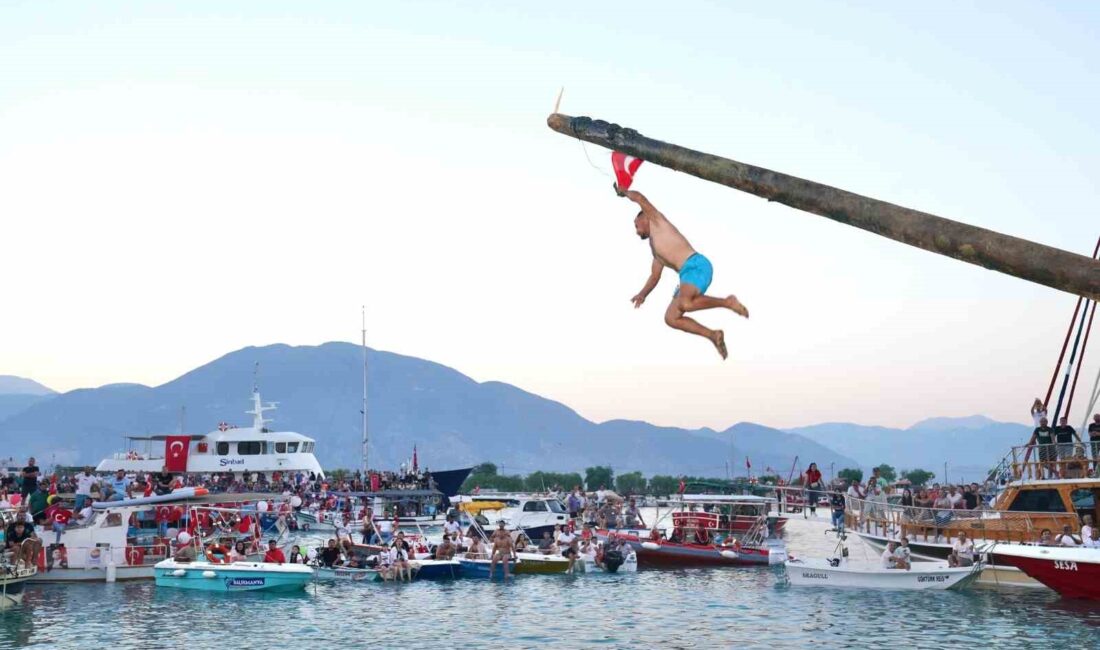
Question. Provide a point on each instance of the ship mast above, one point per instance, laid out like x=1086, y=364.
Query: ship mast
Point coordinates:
x=366, y=437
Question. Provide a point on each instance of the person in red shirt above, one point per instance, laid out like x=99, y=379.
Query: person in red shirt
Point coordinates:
x=57, y=517
x=274, y=554
x=812, y=484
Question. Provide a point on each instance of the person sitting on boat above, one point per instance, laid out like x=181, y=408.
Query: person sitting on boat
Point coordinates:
x=522, y=542
x=330, y=555
x=475, y=550
x=903, y=554
x=1046, y=538
x=274, y=554
x=502, y=550
x=296, y=555
x=677, y=536
x=941, y=513
x=239, y=552
x=702, y=535
x=632, y=516
x=20, y=540
x=446, y=549
x=451, y=526
x=546, y=544
x=1067, y=538
x=654, y=535
x=889, y=559
x=962, y=552
x=1093, y=540
x=1077, y=466
x=162, y=481
x=572, y=552
x=1086, y=527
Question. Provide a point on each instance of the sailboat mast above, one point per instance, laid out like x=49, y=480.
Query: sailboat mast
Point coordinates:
x=366, y=438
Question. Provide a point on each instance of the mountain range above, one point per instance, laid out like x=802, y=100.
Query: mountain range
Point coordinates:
x=454, y=421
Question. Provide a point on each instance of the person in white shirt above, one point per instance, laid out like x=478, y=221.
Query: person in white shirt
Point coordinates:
x=85, y=515
x=954, y=497
x=84, y=482
x=889, y=560
x=902, y=554
x=1067, y=538
x=1093, y=540
x=1086, y=527
x=1038, y=411
x=962, y=552
x=385, y=529
x=452, y=527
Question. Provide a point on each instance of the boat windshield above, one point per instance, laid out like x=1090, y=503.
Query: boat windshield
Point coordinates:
x=556, y=506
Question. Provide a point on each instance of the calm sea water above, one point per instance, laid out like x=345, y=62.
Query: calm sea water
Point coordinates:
x=711, y=608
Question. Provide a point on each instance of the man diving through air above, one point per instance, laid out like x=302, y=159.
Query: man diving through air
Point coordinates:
x=671, y=249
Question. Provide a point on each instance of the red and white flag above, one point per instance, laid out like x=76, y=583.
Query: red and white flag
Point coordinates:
x=625, y=167
x=415, y=463
x=175, y=453
x=748, y=465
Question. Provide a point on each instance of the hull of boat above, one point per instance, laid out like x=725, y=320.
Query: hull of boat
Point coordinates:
x=533, y=563
x=480, y=568
x=1072, y=572
x=436, y=569
x=923, y=576
x=310, y=522
x=123, y=572
x=236, y=576
x=669, y=554
x=343, y=574
x=11, y=589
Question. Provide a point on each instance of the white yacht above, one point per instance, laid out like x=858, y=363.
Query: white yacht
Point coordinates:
x=226, y=449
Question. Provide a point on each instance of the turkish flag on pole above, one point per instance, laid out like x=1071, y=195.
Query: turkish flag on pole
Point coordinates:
x=748, y=465
x=175, y=453
x=625, y=167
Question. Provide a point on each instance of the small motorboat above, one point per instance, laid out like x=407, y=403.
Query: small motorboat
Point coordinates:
x=614, y=562
x=479, y=567
x=341, y=573
x=436, y=569
x=839, y=572
x=232, y=576
x=540, y=563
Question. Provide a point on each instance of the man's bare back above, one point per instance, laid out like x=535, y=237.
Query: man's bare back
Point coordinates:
x=670, y=248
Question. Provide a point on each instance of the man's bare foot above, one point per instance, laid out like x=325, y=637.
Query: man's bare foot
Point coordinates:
x=719, y=341
x=733, y=303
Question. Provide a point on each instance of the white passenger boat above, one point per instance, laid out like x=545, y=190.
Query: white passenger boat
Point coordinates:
x=841, y=573
x=254, y=449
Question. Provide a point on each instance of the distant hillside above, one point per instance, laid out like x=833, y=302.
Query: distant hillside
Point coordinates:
x=970, y=445
x=12, y=385
x=453, y=419
x=12, y=404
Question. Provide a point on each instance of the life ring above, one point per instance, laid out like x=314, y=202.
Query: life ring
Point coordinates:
x=214, y=550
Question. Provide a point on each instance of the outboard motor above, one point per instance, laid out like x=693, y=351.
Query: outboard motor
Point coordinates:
x=612, y=560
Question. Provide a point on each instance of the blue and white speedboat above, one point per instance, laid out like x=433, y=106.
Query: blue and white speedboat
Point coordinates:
x=479, y=568
x=234, y=576
x=436, y=569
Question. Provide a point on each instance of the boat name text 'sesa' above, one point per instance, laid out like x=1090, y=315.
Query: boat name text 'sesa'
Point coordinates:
x=1065, y=566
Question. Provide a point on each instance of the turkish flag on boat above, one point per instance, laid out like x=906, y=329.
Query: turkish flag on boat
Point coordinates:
x=625, y=167
x=175, y=453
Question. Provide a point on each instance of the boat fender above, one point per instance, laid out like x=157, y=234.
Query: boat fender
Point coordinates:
x=651, y=546
x=179, y=573
x=209, y=574
x=217, y=554
x=729, y=555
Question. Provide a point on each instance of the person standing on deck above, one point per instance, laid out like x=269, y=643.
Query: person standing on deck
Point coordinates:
x=1064, y=435
x=1043, y=438
x=1094, y=440
x=811, y=481
x=670, y=248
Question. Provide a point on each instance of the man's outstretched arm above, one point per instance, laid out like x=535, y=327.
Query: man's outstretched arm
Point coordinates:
x=654, y=278
x=641, y=200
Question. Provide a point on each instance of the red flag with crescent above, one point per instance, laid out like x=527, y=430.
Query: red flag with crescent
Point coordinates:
x=625, y=167
x=175, y=453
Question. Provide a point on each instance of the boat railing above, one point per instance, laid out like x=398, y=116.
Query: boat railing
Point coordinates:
x=1037, y=462
x=944, y=524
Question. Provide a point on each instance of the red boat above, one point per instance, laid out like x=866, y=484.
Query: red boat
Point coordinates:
x=662, y=552
x=1073, y=572
x=738, y=530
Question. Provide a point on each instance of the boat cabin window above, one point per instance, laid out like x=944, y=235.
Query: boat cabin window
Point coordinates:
x=280, y=447
x=113, y=519
x=291, y=447
x=1038, y=501
x=534, y=506
x=556, y=506
x=1084, y=501
x=223, y=448
x=250, y=447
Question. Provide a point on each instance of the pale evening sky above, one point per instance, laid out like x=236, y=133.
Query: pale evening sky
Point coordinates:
x=182, y=179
